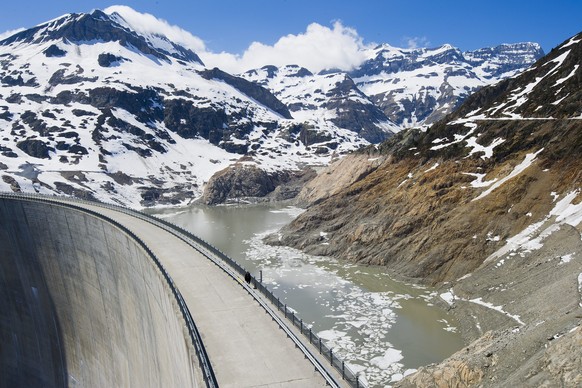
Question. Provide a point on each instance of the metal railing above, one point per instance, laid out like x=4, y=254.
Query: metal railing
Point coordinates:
x=233, y=268
x=203, y=359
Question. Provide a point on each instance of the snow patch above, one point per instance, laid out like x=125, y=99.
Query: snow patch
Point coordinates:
x=480, y=301
x=528, y=160
x=458, y=138
x=479, y=181
x=566, y=258
x=434, y=166
x=486, y=150
x=532, y=237
x=571, y=42
x=448, y=297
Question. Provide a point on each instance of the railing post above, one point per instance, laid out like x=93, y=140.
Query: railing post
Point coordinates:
x=301, y=322
x=343, y=370
x=310, y=335
x=285, y=310
x=320, y=346
x=331, y=357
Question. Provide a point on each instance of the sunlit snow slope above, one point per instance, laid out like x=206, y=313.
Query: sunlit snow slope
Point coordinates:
x=90, y=107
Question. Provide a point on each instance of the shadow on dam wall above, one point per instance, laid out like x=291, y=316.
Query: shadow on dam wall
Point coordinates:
x=82, y=304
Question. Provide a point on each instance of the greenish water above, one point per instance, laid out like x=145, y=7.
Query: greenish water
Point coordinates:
x=381, y=327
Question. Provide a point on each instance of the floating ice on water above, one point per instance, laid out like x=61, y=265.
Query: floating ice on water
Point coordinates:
x=391, y=356
x=358, y=322
x=331, y=335
x=355, y=322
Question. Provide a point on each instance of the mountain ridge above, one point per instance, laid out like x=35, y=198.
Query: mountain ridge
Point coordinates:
x=436, y=90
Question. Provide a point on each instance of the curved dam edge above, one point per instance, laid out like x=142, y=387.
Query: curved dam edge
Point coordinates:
x=84, y=305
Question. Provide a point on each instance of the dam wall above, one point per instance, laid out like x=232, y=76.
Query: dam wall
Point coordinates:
x=83, y=304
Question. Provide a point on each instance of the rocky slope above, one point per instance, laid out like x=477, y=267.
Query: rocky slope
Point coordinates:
x=486, y=205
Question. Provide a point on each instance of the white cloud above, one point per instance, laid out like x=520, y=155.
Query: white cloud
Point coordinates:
x=146, y=23
x=318, y=48
x=9, y=33
x=415, y=42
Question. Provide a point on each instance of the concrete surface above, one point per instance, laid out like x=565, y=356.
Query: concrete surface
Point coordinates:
x=246, y=348
x=83, y=306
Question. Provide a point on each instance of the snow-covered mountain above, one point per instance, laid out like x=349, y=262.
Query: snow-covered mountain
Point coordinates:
x=91, y=107
x=416, y=87
x=395, y=86
x=548, y=90
x=330, y=100
x=96, y=105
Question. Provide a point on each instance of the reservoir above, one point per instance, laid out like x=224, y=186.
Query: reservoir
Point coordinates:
x=382, y=328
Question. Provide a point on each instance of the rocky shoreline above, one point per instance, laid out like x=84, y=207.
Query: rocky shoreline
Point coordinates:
x=519, y=311
x=521, y=320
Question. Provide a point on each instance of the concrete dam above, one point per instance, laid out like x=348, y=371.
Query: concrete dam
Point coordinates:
x=94, y=295
x=82, y=305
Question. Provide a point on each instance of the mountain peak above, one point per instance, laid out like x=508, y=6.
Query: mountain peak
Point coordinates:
x=97, y=26
x=551, y=89
x=510, y=56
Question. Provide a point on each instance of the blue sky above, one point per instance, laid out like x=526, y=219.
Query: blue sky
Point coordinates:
x=231, y=26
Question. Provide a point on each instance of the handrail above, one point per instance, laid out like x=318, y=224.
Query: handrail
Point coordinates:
x=212, y=253
x=203, y=359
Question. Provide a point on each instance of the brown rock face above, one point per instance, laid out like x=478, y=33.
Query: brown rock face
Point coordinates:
x=422, y=220
x=453, y=374
x=339, y=175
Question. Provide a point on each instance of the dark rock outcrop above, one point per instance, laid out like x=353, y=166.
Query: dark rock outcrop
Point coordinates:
x=360, y=117
x=108, y=60
x=251, y=89
x=54, y=51
x=239, y=181
x=242, y=181
x=35, y=148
